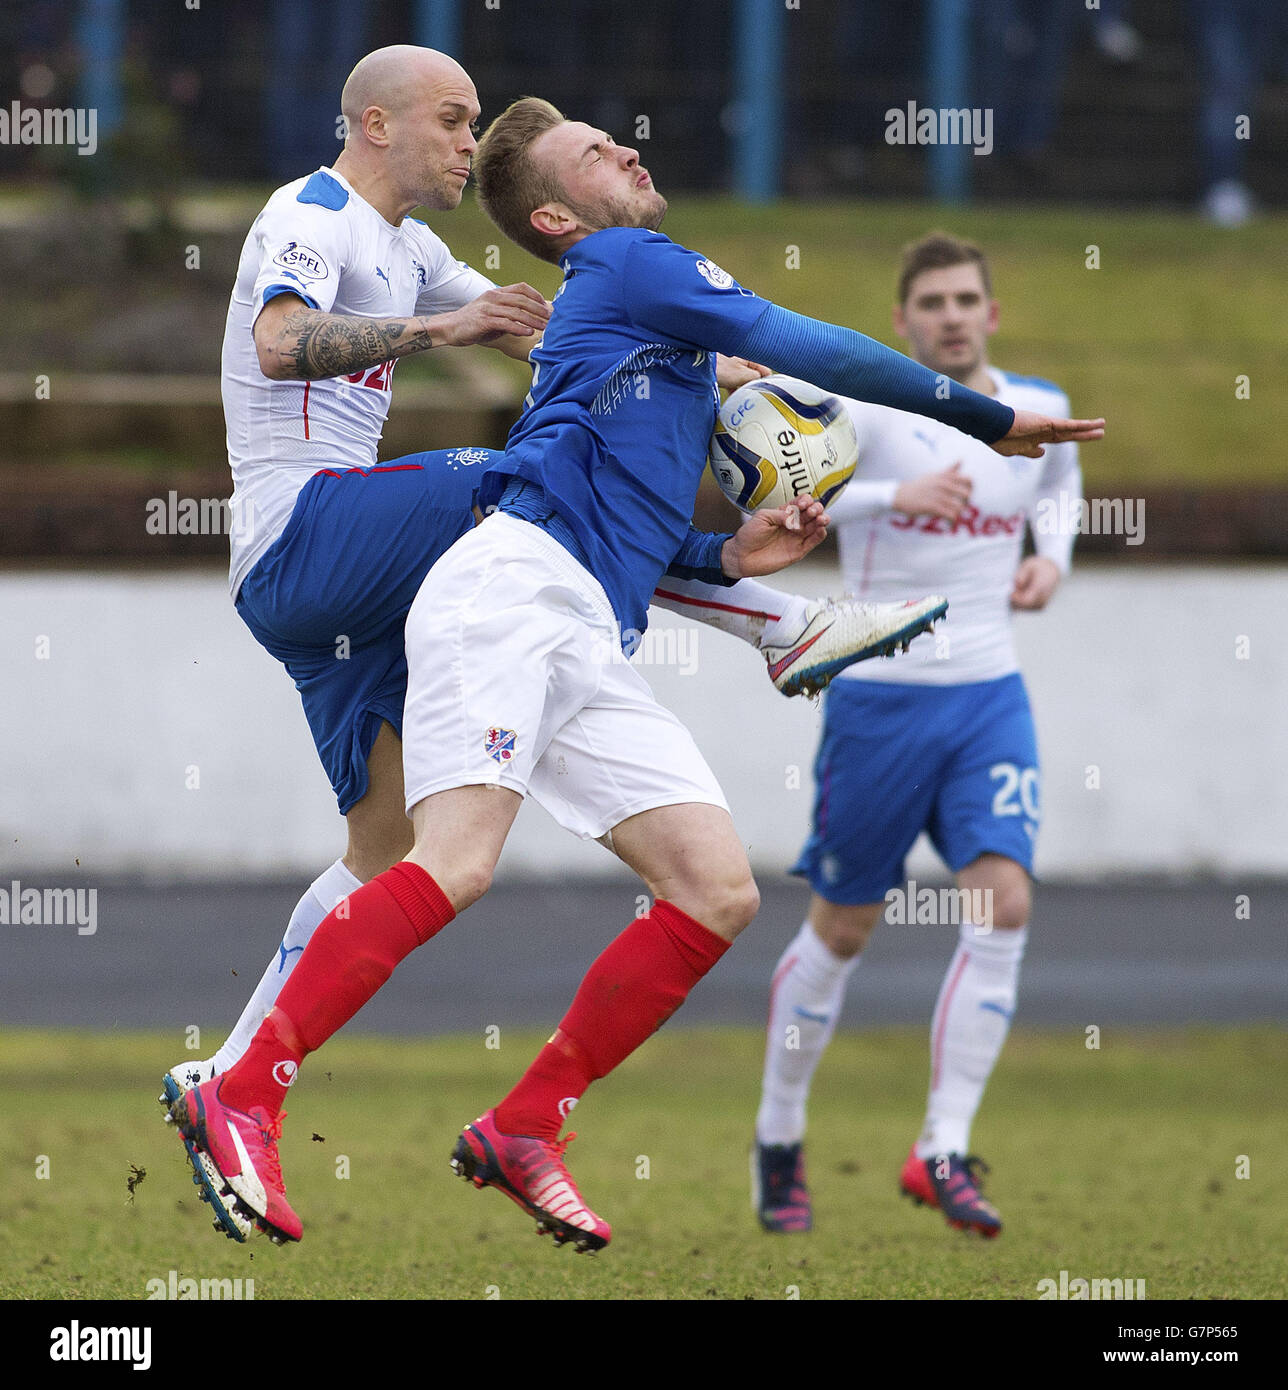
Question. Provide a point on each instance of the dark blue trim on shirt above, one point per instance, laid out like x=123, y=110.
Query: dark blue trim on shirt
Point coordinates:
x=699, y=557
x=529, y=503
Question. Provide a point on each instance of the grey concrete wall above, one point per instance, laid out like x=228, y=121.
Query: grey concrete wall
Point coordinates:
x=145, y=732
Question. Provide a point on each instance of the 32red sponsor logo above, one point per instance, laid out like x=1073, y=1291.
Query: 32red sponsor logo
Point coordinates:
x=376, y=377
x=970, y=520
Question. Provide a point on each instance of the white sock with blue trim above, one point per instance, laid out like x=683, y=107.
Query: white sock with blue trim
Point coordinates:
x=971, y=1020
x=320, y=898
x=804, y=1003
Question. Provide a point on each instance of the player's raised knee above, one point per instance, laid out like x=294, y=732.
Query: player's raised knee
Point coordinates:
x=461, y=880
x=728, y=907
x=468, y=883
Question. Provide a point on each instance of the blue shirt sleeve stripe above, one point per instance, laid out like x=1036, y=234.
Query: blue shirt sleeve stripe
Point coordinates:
x=272, y=291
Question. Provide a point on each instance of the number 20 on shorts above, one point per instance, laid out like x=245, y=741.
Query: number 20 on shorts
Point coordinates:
x=1017, y=792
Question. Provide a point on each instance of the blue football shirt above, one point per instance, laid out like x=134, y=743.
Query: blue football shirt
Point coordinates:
x=623, y=401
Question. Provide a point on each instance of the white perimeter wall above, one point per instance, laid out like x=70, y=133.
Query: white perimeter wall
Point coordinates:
x=151, y=675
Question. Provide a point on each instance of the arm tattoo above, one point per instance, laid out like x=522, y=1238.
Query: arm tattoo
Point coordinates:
x=325, y=345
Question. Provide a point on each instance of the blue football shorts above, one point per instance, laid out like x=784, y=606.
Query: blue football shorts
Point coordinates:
x=958, y=761
x=329, y=598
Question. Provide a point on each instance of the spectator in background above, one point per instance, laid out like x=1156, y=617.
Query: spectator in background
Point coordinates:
x=1116, y=38
x=1234, y=38
x=1021, y=51
x=313, y=49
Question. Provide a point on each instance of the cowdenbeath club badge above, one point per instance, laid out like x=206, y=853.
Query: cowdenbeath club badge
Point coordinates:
x=499, y=744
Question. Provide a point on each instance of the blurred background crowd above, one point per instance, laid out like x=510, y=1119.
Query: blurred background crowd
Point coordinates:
x=1169, y=101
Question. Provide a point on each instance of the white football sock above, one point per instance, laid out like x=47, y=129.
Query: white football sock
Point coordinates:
x=970, y=1024
x=748, y=609
x=806, y=998
x=320, y=898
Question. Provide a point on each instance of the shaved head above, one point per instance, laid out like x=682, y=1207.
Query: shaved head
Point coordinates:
x=409, y=116
x=395, y=78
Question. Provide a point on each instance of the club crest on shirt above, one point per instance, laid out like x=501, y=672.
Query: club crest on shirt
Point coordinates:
x=304, y=260
x=711, y=272
x=719, y=279
x=462, y=458
x=499, y=744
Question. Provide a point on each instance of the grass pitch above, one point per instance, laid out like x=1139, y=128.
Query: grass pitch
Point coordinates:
x=1121, y=1162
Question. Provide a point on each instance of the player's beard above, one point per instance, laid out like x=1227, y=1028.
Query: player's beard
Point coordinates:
x=617, y=212
x=430, y=183
x=443, y=194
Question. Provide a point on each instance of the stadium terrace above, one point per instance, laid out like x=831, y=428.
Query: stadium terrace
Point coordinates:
x=32, y=125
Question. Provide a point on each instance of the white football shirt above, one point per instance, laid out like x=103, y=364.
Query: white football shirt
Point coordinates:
x=887, y=556
x=318, y=239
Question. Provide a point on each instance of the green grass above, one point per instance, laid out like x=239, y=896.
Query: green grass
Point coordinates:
x=1117, y=1163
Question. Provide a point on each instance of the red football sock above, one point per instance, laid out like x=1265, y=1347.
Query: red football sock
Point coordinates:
x=351, y=954
x=628, y=994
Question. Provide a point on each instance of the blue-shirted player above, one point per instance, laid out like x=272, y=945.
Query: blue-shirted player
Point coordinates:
x=516, y=685
x=943, y=745
x=335, y=283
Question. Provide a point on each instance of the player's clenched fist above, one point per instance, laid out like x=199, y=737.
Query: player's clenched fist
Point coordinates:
x=941, y=494
x=1029, y=432
x=516, y=309
x=1035, y=581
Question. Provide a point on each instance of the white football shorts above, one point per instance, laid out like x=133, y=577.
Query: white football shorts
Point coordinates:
x=516, y=677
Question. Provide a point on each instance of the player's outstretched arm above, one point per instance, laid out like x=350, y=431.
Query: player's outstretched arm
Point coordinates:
x=670, y=290
x=839, y=359
x=297, y=343
x=1030, y=432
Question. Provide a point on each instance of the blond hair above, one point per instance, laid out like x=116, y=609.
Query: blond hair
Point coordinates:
x=511, y=184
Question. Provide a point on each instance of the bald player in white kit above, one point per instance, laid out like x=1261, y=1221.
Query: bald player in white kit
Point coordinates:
x=335, y=283
x=944, y=743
